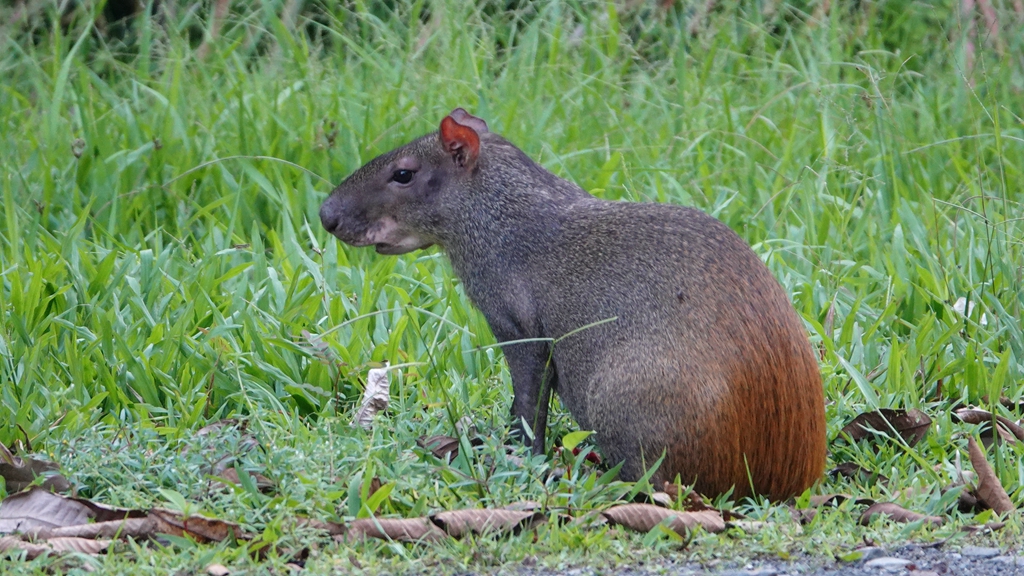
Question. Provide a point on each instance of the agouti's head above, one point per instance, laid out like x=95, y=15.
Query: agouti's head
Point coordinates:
x=402, y=200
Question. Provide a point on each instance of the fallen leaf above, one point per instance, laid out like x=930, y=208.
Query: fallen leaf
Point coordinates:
x=230, y=477
x=803, y=516
x=1007, y=429
x=440, y=445
x=219, y=424
x=852, y=471
x=53, y=546
x=987, y=527
x=376, y=396
x=39, y=509
x=691, y=500
x=200, y=528
x=458, y=523
x=397, y=529
x=819, y=500
x=897, y=513
x=20, y=473
x=911, y=425
x=332, y=528
x=644, y=517
x=990, y=491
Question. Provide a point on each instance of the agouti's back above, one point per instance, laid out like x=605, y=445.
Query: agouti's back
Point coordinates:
x=706, y=357
x=658, y=327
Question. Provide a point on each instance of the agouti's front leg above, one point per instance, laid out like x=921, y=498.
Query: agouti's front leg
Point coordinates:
x=533, y=378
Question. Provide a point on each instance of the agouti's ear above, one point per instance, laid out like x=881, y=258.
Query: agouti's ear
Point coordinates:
x=460, y=137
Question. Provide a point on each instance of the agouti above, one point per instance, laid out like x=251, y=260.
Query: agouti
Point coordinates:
x=658, y=327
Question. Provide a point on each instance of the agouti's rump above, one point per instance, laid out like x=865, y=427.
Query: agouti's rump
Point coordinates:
x=666, y=333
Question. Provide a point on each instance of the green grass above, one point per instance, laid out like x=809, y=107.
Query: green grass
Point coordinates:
x=163, y=265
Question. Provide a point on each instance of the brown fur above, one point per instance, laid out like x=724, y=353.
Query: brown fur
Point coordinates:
x=668, y=335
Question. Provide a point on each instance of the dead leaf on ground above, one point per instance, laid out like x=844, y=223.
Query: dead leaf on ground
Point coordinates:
x=332, y=528
x=19, y=473
x=397, y=529
x=458, y=523
x=911, y=425
x=644, y=517
x=691, y=500
x=990, y=491
x=819, y=500
x=54, y=546
x=39, y=509
x=1007, y=429
x=44, y=515
x=376, y=396
x=987, y=527
x=802, y=516
x=852, y=471
x=967, y=501
x=202, y=529
x=440, y=445
x=230, y=477
x=896, y=513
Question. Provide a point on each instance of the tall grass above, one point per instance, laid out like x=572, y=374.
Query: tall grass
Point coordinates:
x=163, y=263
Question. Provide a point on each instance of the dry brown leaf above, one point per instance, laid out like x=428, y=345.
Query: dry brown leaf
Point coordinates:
x=215, y=426
x=53, y=546
x=440, y=445
x=200, y=528
x=988, y=527
x=691, y=501
x=458, y=523
x=138, y=528
x=852, y=471
x=397, y=529
x=19, y=473
x=332, y=528
x=1007, y=429
x=896, y=513
x=644, y=517
x=230, y=477
x=39, y=509
x=967, y=501
x=990, y=491
x=819, y=500
x=911, y=425
x=803, y=516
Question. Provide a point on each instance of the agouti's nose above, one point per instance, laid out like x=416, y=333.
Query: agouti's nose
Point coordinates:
x=329, y=214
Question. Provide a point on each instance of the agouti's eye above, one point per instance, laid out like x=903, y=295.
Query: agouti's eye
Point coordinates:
x=402, y=176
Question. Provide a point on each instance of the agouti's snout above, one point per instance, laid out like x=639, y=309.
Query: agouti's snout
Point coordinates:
x=330, y=214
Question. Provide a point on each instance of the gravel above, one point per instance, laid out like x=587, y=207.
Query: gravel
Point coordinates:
x=911, y=560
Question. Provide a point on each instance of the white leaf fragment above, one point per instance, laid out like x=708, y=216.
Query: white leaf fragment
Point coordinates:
x=376, y=397
x=965, y=308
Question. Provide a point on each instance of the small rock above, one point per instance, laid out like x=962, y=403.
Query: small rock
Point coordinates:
x=869, y=553
x=1008, y=560
x=979, y=552
x=888, y=563
x=752, y=572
